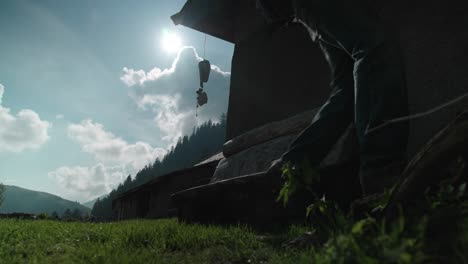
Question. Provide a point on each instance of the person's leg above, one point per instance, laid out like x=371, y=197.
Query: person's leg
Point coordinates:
x=333, y=117
x=381, y=95
x=380, y=85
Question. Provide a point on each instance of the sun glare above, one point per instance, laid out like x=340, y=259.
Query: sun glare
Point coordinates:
x=171, y=42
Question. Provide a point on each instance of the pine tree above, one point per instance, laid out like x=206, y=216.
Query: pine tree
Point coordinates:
x=54, y=215
x=76, y=214
x=67, y=214
x=205, y=141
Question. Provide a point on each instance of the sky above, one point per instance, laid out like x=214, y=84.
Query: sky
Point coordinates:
x=93, y=90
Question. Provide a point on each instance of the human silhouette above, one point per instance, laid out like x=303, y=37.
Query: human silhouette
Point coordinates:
x=368, y=85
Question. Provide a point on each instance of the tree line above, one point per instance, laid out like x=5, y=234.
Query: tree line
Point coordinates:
x=204, y=141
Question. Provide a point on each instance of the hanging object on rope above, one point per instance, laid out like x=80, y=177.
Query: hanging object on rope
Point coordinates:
x=202, y=98
x=204, y=68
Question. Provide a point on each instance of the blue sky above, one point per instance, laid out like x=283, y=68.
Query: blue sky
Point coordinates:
x=88, y=95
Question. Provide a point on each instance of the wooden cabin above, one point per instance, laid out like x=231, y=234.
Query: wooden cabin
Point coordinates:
x=279, y=78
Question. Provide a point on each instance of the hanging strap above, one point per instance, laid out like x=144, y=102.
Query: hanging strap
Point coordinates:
x=204, y=47
x=201, y=83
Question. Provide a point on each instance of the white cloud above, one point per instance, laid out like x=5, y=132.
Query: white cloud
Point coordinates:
x=2, y=89
x=25, y=130
x=86, y=183
x=170, y=94
x=110, y=149
x=59, y=117
x=115, y=158
x=133, y=77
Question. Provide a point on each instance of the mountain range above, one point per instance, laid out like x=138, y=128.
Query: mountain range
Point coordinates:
x=20, y=200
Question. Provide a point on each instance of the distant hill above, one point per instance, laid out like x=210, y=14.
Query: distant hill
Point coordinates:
x=91, y=203
x=27, y=201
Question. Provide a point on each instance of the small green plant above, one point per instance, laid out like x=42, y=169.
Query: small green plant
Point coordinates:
x=431, y=229
x=297, y=176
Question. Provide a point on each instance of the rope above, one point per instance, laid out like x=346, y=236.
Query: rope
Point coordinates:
x=428, y=112
x=201, y=83
x=204, y=47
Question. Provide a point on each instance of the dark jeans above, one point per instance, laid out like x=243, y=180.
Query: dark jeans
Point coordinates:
x=368, y=87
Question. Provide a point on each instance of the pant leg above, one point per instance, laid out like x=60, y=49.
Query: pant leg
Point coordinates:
x=381, y=95
x=333, y=117
x=379, y=80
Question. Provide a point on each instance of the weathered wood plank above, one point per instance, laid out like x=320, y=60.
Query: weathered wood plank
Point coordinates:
x=268, y=132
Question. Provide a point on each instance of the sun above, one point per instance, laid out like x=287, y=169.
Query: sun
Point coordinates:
x=171, y=42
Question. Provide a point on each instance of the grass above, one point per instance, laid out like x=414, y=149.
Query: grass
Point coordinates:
x=437, y=235
x=167, y=241
x=138, y=241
